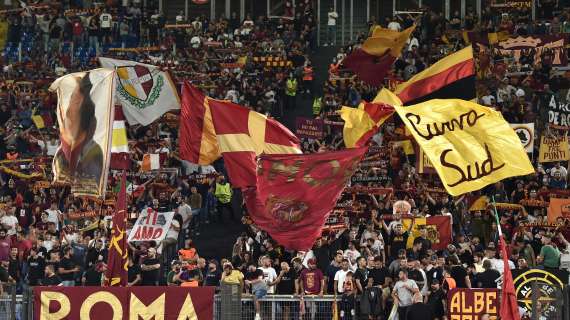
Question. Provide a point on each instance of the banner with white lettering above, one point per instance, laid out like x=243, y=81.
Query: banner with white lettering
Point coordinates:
x=553, y=149
x=151, y=226
x=558, y=113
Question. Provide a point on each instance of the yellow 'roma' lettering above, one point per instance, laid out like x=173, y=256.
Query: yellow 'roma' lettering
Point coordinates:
x=64, y=305
x=101, y=296
x=187, y=312
x=154, y=310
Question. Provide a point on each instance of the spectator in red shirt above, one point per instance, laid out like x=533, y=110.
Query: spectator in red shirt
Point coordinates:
x=312, y=280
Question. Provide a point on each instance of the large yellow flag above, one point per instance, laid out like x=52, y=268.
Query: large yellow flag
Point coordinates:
x=362, y=123
x=469, y=145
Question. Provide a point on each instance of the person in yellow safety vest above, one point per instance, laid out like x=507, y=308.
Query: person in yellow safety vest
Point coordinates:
x=317, y=106
x=290, y=91
x=223, y=194
x=308, y=77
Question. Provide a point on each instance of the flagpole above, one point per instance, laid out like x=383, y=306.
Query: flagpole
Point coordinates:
x=496, y=216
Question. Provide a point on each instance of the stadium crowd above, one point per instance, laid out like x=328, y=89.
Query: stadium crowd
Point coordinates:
x=48, y=237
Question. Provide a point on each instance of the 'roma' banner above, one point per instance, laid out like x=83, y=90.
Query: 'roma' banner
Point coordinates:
x=309, y=128
x=296, y=193
x=559, y=208
x=463, y=303
x=469, y=145
x=438, y=230
x=85, y=116
x=123, y=303
x=553, y=149
x=151, y=225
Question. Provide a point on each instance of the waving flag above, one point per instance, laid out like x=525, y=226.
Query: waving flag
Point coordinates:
x=85, y=116
x=144, y=91
x=362, y=123
x=295, y=193
x=117, y=271
x=450, y=77
x=470, y=146
x=210, y=127
x=378, y=53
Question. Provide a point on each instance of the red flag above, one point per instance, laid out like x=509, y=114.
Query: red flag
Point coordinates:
x=211, y=127
x=509, y=305
x=441, y=228
x=296, y=193
x=369, y=68
x=117, y=272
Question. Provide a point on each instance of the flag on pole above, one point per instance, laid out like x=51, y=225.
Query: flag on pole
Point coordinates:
x=117, y=269
x=469, y=145
x=151, y=161
x=295, y=193
x=450, y=77
x=85, y=117
x=362, y=123
x=120, y=157
x=378, y=53
x=509, y=305
x=144, y=91
x=209, y=127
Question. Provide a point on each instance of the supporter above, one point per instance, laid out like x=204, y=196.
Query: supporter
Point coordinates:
x=403, y=293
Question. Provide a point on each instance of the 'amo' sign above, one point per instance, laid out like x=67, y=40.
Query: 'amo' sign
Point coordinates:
x=151, y=225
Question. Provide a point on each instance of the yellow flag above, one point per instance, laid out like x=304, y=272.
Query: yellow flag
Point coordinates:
x=385, y=41
x=470, y=146
x=357, y=123
x=388, y=97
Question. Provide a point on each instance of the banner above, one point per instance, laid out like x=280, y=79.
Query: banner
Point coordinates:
x=145, y=91
x=469, y=145
x=438, y=230
x=558, y=208
x=519, y=46
x=295, y=193
x=151, y=225
x=85, y=117
x=549, y=284
x=525, y=132
x=463, y=303
x=123, y=303
x=558, y=114
x=553, y=149
x=309, y=128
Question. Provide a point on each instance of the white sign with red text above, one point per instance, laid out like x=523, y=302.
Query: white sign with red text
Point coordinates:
x=151, y=226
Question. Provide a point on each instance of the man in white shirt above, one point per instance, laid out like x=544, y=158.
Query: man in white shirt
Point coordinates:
x=9, y=222
x=180, y=17
x=352, y=254
x=54, y=215
x=269, y=274
x=394, y=25
x=340, y=276
x=558, y=169
x=331, y=25
x=106, y=23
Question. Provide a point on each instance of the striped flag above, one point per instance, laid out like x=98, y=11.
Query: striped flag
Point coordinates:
x=120, y=158
x=452, y=77
x=151, y=161
x=362, y=123
x=210, y=128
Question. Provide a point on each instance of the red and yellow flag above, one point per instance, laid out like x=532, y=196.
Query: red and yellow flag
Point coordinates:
x=210, y=128
x=296, y=193
x=378, y=53
x=362, y=123
x=117, y=272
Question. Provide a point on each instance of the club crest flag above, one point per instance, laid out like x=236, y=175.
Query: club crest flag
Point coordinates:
x=469, y=145
x=85, y=117
x=144, y=91
x=525, y=132
x=295, y=193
